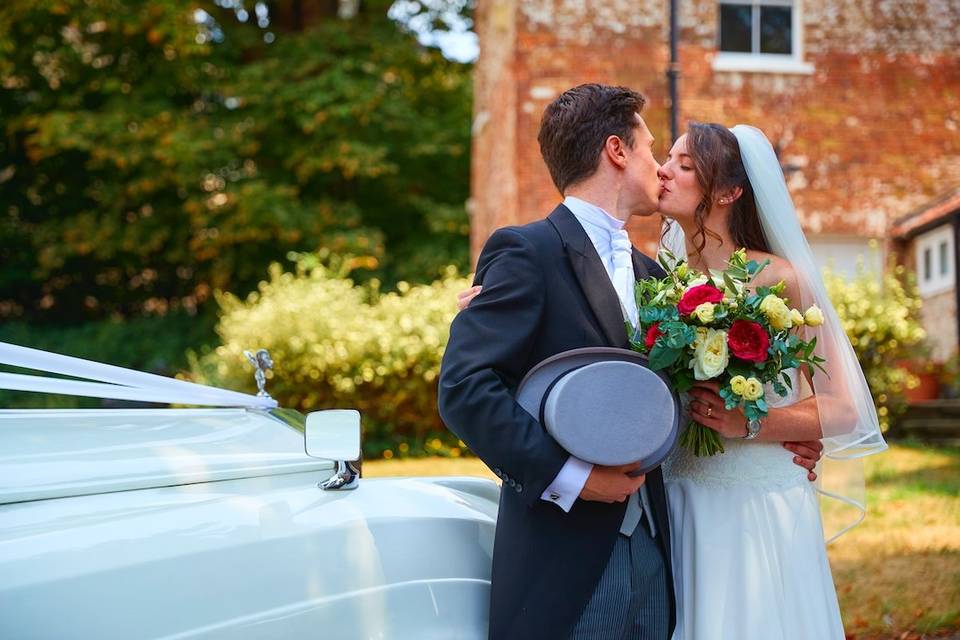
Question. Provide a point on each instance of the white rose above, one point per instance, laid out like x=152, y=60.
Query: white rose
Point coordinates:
x=700, y=336
x=711, y=357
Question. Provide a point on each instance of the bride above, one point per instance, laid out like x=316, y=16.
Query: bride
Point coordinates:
x=748, y=548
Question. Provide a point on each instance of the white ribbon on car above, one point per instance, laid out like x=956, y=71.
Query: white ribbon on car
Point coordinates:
x=108, y=381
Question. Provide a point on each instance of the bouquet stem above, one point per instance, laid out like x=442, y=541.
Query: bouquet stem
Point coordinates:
x=703, y=442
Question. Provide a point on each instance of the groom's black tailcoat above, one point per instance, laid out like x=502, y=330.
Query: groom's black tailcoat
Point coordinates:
x=545, y=291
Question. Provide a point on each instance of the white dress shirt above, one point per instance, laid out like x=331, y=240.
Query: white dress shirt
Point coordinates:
x=610, y=239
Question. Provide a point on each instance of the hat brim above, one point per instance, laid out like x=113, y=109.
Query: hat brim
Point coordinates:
x=534, y=389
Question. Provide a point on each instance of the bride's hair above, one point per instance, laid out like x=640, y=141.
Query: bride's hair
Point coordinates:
x=715, y=155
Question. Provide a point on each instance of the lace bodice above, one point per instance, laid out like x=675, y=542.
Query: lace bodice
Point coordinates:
x=744, y=462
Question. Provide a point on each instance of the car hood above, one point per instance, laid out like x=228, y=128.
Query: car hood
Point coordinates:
x=58, y=453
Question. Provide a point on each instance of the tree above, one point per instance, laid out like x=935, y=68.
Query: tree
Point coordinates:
x=153, y=152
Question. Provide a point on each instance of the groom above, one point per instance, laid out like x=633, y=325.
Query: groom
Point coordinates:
x=565, y=562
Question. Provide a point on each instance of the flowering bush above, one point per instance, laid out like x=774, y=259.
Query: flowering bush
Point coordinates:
x=338, y=344
x=717, y=326
x=881, y=318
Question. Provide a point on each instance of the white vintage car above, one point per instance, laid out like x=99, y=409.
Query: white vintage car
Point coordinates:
x=216, y=523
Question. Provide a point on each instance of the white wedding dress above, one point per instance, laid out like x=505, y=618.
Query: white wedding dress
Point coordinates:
x=749, y=558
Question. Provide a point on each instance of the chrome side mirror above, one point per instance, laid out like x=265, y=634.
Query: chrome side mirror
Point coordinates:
x=334, y=434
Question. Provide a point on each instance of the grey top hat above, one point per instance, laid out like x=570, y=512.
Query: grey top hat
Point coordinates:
x=604, y=405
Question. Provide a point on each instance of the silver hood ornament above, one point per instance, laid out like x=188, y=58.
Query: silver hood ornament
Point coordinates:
x=262, y=362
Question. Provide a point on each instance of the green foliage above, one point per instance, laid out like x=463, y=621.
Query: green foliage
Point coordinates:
x=881, y=318
x=336, y=343
x=148, y=159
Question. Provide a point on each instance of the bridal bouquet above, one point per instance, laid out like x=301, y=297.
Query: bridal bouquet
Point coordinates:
x=719, y=327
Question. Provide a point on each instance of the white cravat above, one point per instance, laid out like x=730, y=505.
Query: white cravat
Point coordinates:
x=623, y=278
x=613, y=245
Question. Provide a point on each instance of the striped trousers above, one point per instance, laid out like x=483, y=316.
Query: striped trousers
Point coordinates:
x=630, y=602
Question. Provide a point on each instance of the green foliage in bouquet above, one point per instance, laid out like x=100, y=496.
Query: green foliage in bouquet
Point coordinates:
x=881, y=318
x=719, y=327
x=338, y=344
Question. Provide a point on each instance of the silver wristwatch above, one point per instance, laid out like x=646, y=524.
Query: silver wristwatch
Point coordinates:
x=753, y=429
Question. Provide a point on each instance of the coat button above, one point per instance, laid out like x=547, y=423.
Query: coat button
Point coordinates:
x=519, y=487
x=497, y=472
x=511, y=482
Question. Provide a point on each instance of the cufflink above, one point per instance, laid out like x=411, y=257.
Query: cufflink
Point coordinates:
x=554, y=496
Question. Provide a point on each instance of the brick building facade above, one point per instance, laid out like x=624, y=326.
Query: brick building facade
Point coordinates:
x=867, y=125
x=861, y=100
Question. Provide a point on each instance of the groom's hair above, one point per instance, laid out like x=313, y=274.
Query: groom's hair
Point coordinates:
x=576, y=125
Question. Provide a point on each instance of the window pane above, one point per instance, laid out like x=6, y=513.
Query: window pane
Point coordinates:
x=944, y=265
x=735, y=27
x=927, y=266
x=776, y=30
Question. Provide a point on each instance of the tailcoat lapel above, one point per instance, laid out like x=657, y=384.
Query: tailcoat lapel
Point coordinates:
x=592, y=276
x=640, y=270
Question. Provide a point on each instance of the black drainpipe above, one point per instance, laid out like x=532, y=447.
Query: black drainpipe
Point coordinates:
x=673, y=72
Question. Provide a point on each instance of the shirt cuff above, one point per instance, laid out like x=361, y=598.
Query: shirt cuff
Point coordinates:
x=566, y=487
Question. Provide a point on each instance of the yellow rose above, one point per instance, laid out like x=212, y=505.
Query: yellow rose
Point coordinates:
x=753, y=389
x=796, y=317
x=813, y=316
x=738, y=384
x=704, y=312
x=711, y=357
x=777, y=312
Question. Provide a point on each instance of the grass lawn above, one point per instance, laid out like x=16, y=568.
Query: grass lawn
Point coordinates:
x=897, y=574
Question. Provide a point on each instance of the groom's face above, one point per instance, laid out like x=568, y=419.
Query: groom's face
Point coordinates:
x=681, y=191
x=642, y=186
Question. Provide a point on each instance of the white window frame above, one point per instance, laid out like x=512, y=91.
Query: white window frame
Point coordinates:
x=942, y=277
x=757, y=62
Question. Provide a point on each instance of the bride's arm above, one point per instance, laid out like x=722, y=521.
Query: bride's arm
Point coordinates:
x=797, y=422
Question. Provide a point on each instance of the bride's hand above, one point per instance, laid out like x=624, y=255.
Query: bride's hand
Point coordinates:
x=464, y=297
x=708, y=409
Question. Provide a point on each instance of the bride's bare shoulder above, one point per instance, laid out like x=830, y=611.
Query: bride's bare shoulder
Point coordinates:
x=778, y=269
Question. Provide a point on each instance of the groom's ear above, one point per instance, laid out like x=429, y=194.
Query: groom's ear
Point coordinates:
x=616, y=151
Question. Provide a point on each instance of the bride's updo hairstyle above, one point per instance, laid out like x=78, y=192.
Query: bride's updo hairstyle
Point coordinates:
x=715, y=155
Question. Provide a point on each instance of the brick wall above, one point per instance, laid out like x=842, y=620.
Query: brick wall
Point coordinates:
x=873, y=132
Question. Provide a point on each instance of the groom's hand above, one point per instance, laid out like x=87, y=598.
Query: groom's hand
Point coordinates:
x=806, y=455
x=611, y=484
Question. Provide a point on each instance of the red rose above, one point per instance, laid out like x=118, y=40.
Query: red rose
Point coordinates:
x=652, y=334
x=748, y=341
x=695, y=296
